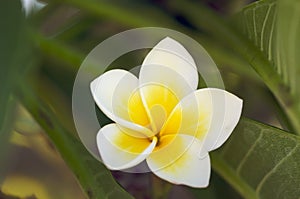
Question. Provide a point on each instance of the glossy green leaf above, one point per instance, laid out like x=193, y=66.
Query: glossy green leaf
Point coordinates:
x=230, y=33
x=288, y=43
x=260, y=161
x=274, y=27
x=218, y=188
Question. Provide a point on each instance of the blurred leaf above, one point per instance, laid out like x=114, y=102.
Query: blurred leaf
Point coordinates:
x=274, y=27
x=35, y=168
x=24, y=124
x=9, y=37
x=14, y=55
x=94, y=177
x=288, y=43
x=260, y=161
x=127, y=13
x=6, y=196
x=56, y=50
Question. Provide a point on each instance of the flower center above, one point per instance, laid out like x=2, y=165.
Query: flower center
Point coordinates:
x=159, y=117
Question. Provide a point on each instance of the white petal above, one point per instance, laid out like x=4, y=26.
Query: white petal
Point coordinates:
x=179, y=163
x=168, y=68
x=165, y=76
x=32, y=5
x=227, y=109
x=209, y=114
x=170, y=53
x=120, y=151
x=191, y=116
x=113, y=92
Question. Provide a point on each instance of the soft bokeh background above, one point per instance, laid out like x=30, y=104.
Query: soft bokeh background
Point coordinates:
x=49, y=46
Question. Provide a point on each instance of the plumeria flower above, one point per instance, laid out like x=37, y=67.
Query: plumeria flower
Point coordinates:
x=160, y=117
x=29, y=6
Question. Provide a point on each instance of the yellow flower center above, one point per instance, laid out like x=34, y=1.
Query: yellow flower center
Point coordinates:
x=153, y=113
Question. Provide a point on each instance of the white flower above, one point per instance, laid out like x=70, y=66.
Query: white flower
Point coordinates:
x=162, y=118
x=30, y=6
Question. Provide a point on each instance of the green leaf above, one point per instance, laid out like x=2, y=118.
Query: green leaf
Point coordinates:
x=229, y=32
x=127, y=13
x=218, y=188
x=7, y=48
x=288, y=42
x=260, y=161
x=14, y=54
x=94, y=177
x=56, y=50
x=274, y=26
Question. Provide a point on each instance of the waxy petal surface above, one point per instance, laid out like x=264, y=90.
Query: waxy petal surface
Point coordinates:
x=179, y=163
x=119, y=150
x=170, y=53
x=168, y=74
x=115, y=93
x=209, y=114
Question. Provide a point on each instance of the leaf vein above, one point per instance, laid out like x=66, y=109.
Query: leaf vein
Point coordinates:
x=254, y=26
x=271, y=37
x=263, y=28
x=241, y=164
x=273, y=170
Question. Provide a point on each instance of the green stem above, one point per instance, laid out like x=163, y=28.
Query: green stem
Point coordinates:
x=160, y=188
x=219, y=166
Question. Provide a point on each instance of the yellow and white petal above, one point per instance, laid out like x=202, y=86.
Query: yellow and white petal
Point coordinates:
x=159, y=102
x=226, y=113
x=171, y=54
x=209, y=114
x=178, y=162
x=119, y=150
x=115, y=93
x=167, y=75
x=191, y=116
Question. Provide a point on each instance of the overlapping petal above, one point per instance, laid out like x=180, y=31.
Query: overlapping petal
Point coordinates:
x=159, y=101
x=119, y=150
x=115, y=93
x=209, y=114
x=178, y=162
x=169, y=73
x=227, y=109
x=162, y=118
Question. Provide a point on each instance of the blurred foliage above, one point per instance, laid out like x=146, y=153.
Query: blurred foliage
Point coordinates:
x=34, y=167
x=41, y=54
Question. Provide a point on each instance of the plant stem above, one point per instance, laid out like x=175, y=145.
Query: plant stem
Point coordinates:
x=160, y=188
x=230, y=176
